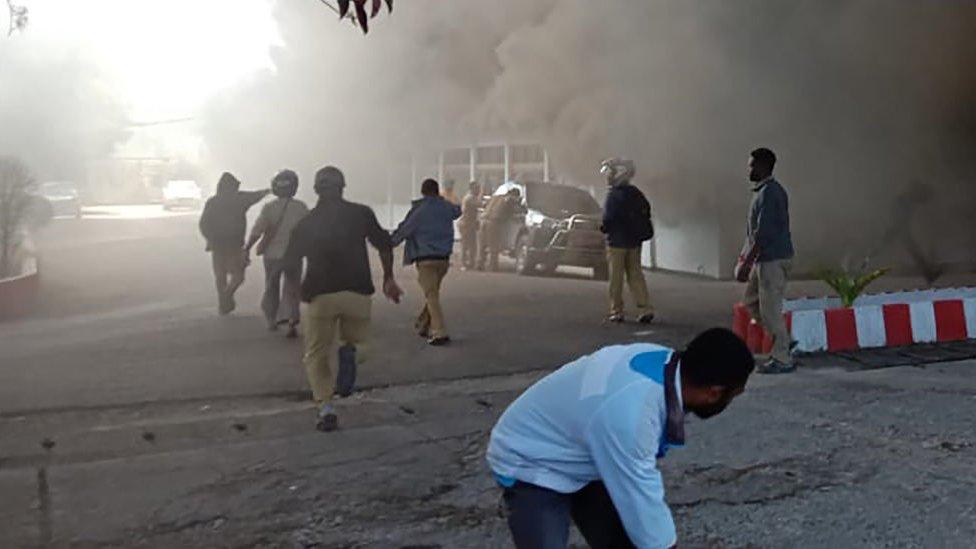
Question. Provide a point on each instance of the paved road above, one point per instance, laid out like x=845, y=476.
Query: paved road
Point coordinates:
x=127, y=315
x=131, y=415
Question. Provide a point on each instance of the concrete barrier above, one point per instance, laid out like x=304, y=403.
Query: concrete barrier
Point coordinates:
x=877, y=320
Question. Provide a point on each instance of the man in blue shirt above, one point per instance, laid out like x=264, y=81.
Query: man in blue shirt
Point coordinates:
x=582, y=442
x=768, y=240
x=428, y=231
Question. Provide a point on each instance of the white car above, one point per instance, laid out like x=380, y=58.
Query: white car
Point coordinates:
x=182, y=194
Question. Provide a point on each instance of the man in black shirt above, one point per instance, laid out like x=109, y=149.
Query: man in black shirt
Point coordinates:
x=337, y=286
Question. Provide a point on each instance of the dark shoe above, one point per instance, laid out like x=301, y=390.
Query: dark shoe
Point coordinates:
x=617, y=318
x=776, y=367
x=231, y=304
x=438, y=341
x=292, y=331
x=346, y=380
x=424, y=334
x=327, y=420
x=223, y=306
x=645, y=318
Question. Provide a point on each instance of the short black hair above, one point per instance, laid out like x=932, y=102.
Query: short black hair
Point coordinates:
x=430, y=188
x=717, y=357
x=764, y=156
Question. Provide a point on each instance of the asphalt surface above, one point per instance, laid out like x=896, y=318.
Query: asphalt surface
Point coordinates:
x=131, y=415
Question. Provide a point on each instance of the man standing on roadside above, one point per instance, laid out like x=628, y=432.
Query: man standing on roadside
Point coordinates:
x=468, y=225
x=627, y=224
x=429, y=234
x=770, y=245
x=224, y=223
x=337, y=287
x=581, y=444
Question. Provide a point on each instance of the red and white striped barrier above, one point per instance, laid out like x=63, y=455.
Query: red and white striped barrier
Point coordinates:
x=880, y=320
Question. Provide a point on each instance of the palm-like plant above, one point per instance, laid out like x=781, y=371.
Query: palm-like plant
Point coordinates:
x=360, y=17
x=849, y=286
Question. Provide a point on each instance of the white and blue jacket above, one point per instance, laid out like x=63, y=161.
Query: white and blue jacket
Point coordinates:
x=608, y=417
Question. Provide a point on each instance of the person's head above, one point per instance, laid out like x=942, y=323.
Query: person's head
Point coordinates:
x=474, y=188
x=714, y=369
x=430, y=188
x=618, y=171
x=329, y=182
x=514, y=193
x=228, y=184
x=285, y=184
x=761, y=164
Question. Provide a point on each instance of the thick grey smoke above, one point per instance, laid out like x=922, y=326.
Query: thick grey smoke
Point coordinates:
x=863, y=100
x=55, y=111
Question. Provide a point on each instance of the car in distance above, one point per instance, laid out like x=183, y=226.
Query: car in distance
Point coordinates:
x=62, y=196
x=182, y=193
x=555, y=225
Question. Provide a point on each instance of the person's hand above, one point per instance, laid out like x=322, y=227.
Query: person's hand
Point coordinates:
x=391, y=290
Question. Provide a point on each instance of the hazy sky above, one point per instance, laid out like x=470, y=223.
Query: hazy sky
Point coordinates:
x=162, y=59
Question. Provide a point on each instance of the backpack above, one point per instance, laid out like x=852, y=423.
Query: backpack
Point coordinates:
x=639, y=216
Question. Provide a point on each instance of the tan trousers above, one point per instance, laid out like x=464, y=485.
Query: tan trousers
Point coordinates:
x=430, y=274
x=469, y=247
x=626, y=263
x=347, y=312
x=764, y=299
x=488, y=245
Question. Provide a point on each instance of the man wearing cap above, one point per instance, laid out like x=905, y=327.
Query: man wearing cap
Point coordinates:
x=338, y=287
x=271, y=233
x=224, y=224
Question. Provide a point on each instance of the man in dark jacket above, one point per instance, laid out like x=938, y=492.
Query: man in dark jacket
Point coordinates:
x=768, y=239
x=627, y=224
x=338, y=286
x=428, y=231
x=224, y=223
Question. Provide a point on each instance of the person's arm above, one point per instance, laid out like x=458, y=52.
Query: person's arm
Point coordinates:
x=769, y=219
x=206, y=227
x=406, y=228
x=623, y=449
x=298, y=247
x=380, y=239
x=455, y=210
x=260, y=226
x=253, y=197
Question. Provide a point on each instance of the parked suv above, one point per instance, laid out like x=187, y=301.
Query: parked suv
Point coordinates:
x=555, y=225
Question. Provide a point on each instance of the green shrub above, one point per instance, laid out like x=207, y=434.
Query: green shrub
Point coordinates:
x=849, y=286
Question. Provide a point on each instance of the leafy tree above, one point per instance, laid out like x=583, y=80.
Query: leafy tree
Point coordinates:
x=15, y=210
x=18, y=17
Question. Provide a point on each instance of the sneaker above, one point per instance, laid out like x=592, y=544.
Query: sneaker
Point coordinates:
x=645, y=318
x=346, y=379
x=439, y=341
x=617, y=317
x=776, y=367
x=327, y=419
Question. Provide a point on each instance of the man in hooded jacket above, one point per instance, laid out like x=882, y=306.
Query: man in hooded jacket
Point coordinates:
x=224, y=224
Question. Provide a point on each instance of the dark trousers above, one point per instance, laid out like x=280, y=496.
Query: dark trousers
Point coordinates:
x=539, y=518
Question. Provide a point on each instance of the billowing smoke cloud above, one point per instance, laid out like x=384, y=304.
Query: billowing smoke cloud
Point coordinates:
x=56, y=113
x=865, y=101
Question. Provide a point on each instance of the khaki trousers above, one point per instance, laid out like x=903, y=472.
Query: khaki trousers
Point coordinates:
x=625, y=263
x=488, y=245
x=469, y=247
x=764, y=299
x=430, y=275
x=347, y=312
